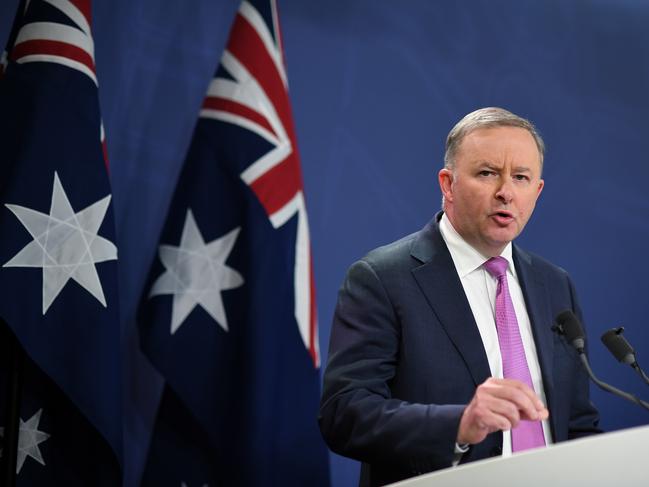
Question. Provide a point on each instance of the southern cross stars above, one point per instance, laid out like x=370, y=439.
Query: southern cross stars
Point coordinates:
x=65, y=245
x=196, y=274
x=29, y=438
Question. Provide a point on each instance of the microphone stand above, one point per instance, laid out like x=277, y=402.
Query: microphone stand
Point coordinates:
x=640, y=372
x=608, y=387
x=570, y=327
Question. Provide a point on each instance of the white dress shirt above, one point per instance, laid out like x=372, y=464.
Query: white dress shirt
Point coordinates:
x=480, y=289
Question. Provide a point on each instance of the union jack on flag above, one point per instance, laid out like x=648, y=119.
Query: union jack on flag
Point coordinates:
x=228, y=316
x=58, y=274
x=67, y=42
x=251, y=91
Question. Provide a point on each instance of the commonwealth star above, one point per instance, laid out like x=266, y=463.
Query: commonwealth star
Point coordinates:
x=29, y=437
x=196, y=274
x=65, y=245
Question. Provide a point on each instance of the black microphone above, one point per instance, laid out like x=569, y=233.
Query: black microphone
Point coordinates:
x=570, y=326
x=622, y=350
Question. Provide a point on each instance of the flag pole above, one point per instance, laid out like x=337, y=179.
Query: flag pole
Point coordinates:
x=15, y=362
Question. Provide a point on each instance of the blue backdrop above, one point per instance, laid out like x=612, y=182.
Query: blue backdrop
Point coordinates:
x=375, y=87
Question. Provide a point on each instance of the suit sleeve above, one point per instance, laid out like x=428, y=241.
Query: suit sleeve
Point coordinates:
x=359, y=418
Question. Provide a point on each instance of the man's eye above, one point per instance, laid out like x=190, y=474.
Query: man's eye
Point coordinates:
x=485, y=173
x=521, y=177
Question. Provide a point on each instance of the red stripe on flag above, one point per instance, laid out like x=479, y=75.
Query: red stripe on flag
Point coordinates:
x=104, y=150
x=216, y=103
x=278, y=185
x=55, y=48
x=278, y=34
x=313, y=329
x=246, y=45
x=85, y=6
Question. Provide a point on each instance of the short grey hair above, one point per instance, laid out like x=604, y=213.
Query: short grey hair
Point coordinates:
x=483, y=118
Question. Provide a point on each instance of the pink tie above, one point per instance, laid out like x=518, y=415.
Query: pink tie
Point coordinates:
x=528, y=434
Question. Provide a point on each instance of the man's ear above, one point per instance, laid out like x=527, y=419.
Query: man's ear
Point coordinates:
x=445, y=178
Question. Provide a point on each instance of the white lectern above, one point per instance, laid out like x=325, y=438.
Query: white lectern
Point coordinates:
x=611, y=459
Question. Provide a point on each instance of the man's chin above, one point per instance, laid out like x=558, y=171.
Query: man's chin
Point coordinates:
x=499, y=240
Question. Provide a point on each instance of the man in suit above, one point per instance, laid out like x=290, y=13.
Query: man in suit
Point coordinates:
x=442, y=350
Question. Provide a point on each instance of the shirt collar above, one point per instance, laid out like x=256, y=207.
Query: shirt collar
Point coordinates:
x=466, y=258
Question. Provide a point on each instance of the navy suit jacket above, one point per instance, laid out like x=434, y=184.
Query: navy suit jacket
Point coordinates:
x=406, y=357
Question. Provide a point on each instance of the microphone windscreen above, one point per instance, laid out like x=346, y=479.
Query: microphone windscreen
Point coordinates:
x=618, y=346
x=571, y=326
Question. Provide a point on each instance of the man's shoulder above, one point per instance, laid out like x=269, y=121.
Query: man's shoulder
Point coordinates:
x=392, y=251
x=389, y=263
x=537, y=262
x=407, y=252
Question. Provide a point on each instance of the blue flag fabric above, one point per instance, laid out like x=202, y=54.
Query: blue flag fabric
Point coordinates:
x=228, y=315
x=58, y=274
x=57, y=445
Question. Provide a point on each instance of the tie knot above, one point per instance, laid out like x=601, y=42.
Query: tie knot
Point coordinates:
x=496, y=266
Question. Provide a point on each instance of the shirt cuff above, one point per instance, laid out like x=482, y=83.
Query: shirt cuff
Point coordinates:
x=459, y=449
x=458, y=452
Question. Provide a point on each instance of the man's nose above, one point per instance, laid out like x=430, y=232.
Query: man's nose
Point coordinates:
x=505, y=191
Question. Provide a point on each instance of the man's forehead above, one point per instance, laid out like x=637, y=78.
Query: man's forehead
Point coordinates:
x=491, y=144
x=499, y=133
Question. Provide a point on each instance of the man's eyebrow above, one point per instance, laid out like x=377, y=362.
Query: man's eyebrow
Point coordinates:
x=488, y=164
x=498, y=167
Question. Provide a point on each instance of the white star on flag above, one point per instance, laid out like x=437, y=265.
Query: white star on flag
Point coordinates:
x=65, y=245
x=29, y=438
x=196, y=274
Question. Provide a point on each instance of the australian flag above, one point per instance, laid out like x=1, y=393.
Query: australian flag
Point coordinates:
x=228, y=316
x=58, y=274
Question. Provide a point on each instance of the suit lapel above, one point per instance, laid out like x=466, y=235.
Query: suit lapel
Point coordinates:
x=537, y=301
x=441, y=285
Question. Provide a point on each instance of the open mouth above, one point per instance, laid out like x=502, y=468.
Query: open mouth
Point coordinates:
x=503, y=217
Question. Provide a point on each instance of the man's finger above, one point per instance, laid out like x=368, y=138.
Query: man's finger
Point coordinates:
x=520, y=394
